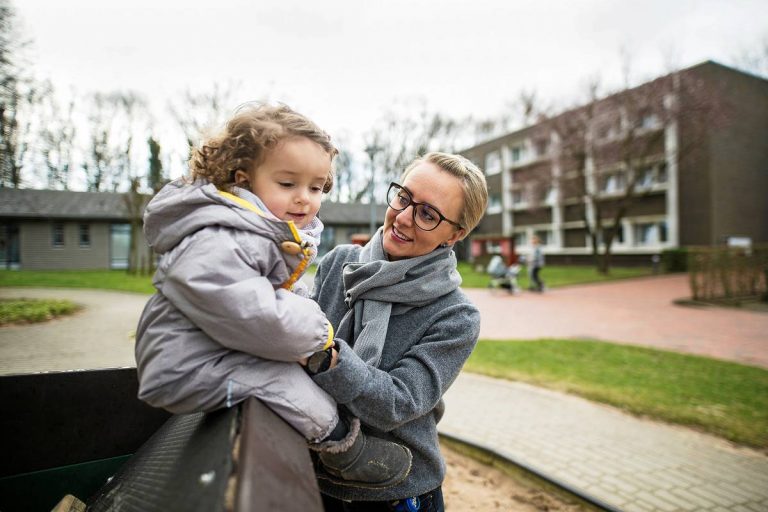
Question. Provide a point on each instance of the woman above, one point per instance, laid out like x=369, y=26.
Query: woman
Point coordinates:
x=405, y=328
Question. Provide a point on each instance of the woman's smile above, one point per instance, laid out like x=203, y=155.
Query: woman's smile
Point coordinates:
x=399, y=236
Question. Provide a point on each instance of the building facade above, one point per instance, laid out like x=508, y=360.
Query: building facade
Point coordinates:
x=54, y=229
x=678, y=161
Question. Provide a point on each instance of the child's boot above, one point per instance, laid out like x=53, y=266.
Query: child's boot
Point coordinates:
x=359, y=460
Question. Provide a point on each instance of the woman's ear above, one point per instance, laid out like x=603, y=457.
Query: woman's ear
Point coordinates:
x=455, y=237
x=242, y=179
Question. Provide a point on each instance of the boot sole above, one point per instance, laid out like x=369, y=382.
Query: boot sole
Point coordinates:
x=322, y=473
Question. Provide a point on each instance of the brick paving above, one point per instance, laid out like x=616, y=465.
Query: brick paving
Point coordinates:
x=634, y=311
x=625, y=462
x=628, y=463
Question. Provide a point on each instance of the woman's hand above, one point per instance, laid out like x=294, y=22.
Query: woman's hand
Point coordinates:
x=334, y=357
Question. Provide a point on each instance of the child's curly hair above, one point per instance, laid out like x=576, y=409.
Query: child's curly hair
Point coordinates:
x=254, y=130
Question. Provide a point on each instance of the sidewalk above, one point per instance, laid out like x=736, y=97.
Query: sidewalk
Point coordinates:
x=625, y=462
x=635, y=311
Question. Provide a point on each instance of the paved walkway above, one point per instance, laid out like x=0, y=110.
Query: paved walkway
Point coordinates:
x=635, y=311
x=100, y=336
x=625, y=462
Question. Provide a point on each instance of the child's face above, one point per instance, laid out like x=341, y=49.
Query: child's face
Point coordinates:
x=290, y=179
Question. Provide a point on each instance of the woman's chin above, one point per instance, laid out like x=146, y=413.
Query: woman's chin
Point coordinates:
x=394, y=247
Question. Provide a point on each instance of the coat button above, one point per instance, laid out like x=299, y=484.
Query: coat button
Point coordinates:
x=289, y=247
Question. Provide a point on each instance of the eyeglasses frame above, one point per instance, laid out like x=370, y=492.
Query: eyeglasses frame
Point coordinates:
x=413, y=203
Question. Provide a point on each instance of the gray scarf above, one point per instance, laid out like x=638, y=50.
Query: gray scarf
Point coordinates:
x=376, y=289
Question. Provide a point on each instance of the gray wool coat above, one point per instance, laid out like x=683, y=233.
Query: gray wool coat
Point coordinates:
x=401, y=400
x=220, y=327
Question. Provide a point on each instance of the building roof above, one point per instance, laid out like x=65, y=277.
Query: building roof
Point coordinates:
x=350, y=213
x=62, y=204
x=493, y=142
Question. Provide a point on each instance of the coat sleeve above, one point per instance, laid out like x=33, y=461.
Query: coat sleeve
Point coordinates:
x=219, y=282
x=413, y=387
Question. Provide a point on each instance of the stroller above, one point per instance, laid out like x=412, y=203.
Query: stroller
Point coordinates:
x=502, y=276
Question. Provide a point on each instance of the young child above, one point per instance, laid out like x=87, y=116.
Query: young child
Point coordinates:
x=225, y=323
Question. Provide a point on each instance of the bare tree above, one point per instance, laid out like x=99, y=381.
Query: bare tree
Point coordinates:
x=114, y=119
x=344, y=176
x=755, y=59
x=140, y=256
x=197, y=112
x=399, y=136
x=57, y=139
x=155, y=176
x=18, y=95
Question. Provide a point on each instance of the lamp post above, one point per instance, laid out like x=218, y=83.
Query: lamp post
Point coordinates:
x=372, y=149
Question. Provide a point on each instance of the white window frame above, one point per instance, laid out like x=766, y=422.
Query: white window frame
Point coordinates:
x=495, y=204
x=492, y=163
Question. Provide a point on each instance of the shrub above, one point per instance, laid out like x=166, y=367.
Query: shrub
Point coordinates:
x=674, y=260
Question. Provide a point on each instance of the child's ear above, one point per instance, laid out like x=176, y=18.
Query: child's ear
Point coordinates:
x=241, y=178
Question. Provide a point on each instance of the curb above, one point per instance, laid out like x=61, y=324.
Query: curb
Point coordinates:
x=567, y=488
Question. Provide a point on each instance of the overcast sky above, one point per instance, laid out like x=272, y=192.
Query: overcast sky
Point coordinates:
x=342, y=62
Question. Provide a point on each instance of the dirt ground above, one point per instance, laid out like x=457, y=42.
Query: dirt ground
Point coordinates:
x=471, y=485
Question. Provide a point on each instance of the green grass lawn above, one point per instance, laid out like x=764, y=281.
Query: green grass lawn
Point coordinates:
x=14, y=311
x=723, y=398
x=553, y=276
x=119, y=280
x=99, y=279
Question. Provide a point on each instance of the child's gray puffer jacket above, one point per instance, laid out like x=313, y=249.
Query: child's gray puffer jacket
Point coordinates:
x=224, y=295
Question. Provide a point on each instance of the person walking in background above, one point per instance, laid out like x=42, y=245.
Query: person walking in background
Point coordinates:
x=535, y=265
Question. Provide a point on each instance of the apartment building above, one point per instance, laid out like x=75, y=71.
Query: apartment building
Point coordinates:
x=679, y=161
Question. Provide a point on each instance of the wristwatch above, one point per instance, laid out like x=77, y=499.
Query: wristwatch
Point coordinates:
x=319, y=361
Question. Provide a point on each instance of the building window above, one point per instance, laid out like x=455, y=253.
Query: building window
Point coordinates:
x=550, y=195
x=492, y=163
x=492, y=247
x=494, y=203
x=57, y=234
x=612, y=182
x=646, y=178
x=542, y=147
x=84, y=235
x=521, y=239
x=517, y=154
x=651, y=233
x=518, y=196
x=651, y=176
x=544, y=236
x=648, y=120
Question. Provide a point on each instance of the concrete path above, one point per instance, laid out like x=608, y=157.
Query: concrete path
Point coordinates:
x=625, y=462
x=634, y=311
x=99, y=336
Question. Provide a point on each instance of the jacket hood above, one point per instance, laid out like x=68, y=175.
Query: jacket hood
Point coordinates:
x=181, y=208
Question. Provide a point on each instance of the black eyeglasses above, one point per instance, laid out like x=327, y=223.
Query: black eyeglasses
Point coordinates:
x=425, y=217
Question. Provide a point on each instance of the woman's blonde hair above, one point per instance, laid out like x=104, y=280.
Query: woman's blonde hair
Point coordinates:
x=243, y=143
x=475, y=188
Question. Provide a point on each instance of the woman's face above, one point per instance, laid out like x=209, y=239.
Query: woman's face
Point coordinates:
x=429, y=184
